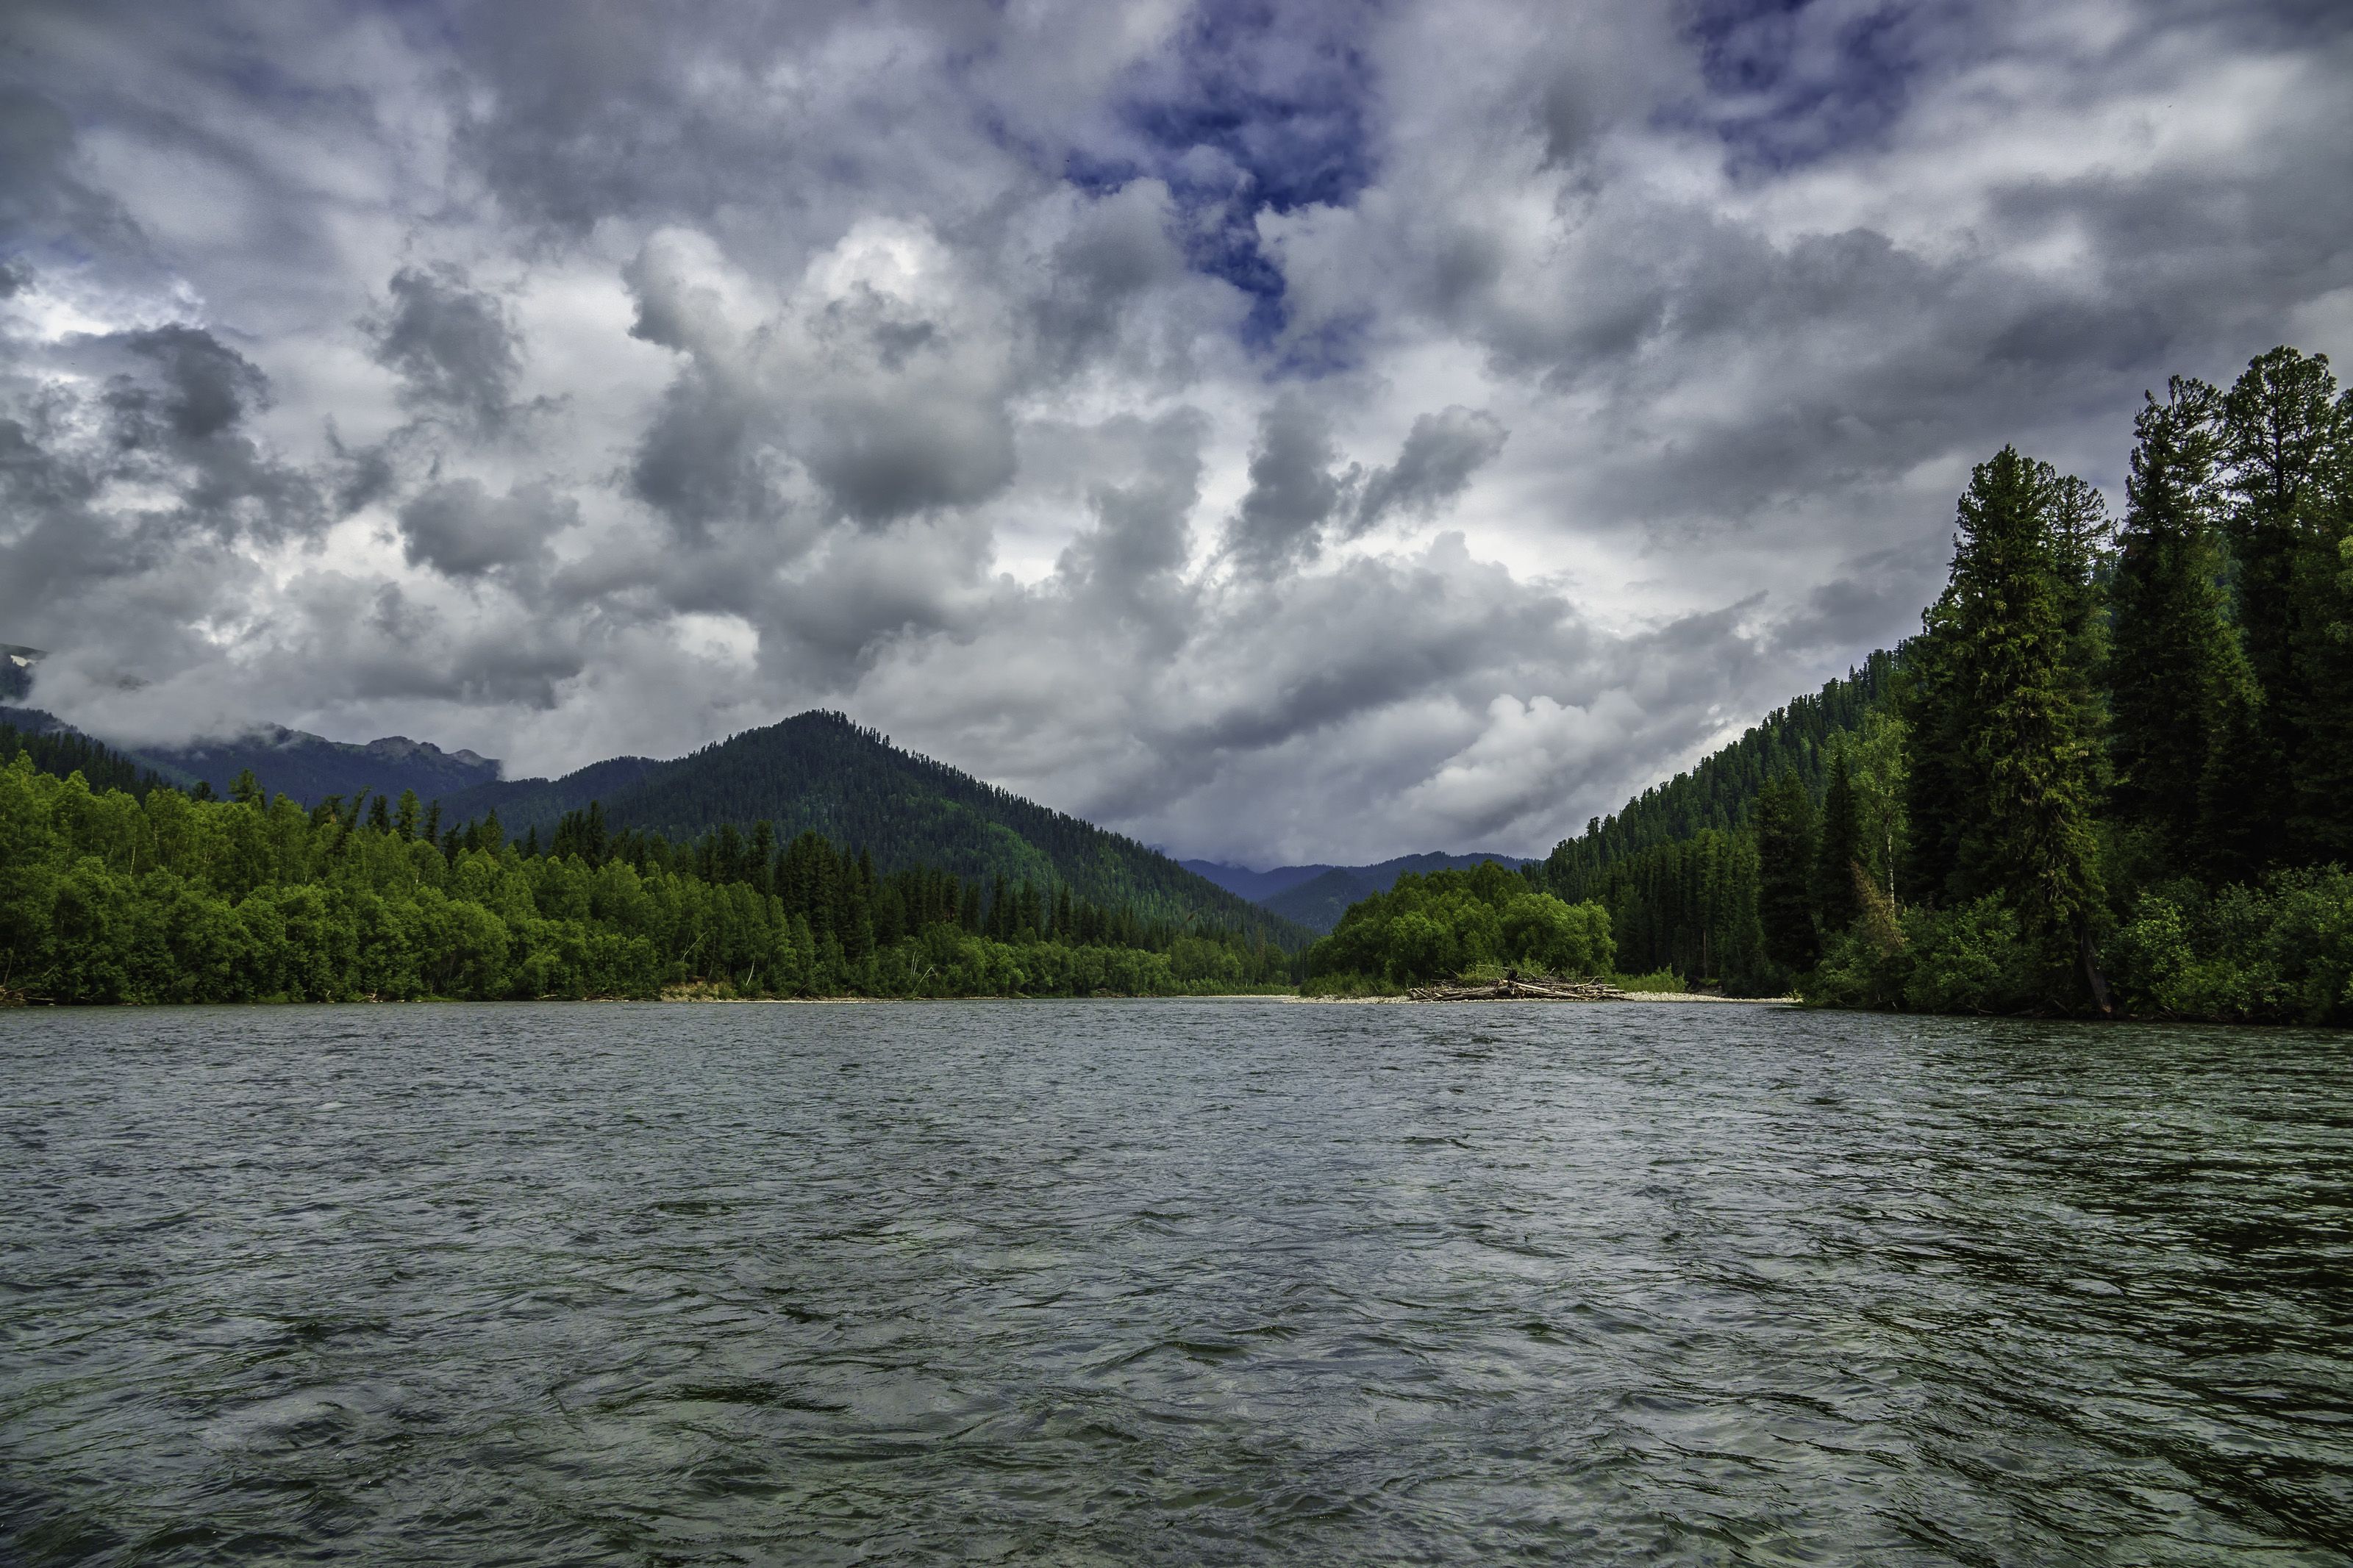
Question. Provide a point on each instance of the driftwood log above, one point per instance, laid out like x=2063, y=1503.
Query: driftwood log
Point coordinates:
x=1514, y=988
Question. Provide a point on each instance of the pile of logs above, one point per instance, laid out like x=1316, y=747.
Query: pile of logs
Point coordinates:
x=1513, y=986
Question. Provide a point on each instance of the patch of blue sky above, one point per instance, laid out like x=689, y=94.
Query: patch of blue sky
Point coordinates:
x=1790, y=82
x=1255, y=107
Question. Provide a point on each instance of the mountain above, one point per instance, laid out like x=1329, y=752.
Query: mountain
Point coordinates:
x=1315, y=895
x=526, y=804
x=1256, y=886
x=57, y=748
x=16, y=670
x=309, y=767
x=820, y=772
x=1719, y=791
x=1678, y=868
x=1320, y=902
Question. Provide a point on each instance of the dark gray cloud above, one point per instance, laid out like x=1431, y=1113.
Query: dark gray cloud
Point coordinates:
x=1295, y=487
x=1433, y=468
x=460, y=530
x=454, y=350
x=1111, y=399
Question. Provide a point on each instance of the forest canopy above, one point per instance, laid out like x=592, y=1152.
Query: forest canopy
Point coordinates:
x=1448, y=922
x=107, y=896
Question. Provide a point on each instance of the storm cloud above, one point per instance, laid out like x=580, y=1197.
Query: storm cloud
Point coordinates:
x=1278, y=432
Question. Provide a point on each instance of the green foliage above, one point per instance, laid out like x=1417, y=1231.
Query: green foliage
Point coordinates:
x=1784, y=860
x=2281, y=951
x=2179, y=681
x=108, y=897
x=1721, y=792
x=1689, y=906
x=1977, y=958
x=1656, y=981
x=1838, y=852
x=1349, y=984
x=1429, y=927
x=2283, y=433
x=56, y=750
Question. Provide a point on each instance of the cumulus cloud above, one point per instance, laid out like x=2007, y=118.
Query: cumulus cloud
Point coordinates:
x=1433, y=468
x=1278, y=432
x=460, y=530
x=452, y=346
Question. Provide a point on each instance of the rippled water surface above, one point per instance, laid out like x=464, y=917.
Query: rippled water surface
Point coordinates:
x=1180, y=1282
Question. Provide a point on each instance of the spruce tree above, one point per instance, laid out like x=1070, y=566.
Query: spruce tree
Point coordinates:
x=2321, y=826
x=2279, y=423
x=2177, y=676
x=1838, y=853
x=1785, y=856
x=1928, y=700
x=2026, y=832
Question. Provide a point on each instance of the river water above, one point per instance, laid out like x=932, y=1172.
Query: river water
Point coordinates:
x=1169, y=1282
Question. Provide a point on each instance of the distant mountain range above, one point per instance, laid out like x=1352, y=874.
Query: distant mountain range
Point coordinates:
x=1316, y=896
x=309, y=767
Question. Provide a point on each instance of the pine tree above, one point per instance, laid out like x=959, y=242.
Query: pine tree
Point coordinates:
x=1838, y=852
x=1785, y=855
x=1927, y=698
x=2321, y=828
x=404, y=817
x=2026, y=832
x=2177, y=676
x=2279, y=423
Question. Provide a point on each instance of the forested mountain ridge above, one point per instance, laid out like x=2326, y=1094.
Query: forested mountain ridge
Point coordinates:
x=1720, y=790
x=310, y=767
x=820, y=772
x=1677, y=868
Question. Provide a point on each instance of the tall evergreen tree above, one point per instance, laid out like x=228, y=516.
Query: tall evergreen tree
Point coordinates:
x=2279, y=422
x=1838, y=853
x=1928, y=698
x=2177, y=676
x=2081, y=537
x=2321, y=826
x=2026, y=834
x=1784, y=856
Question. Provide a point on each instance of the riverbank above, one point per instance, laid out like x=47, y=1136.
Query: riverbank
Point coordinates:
x=706, y=995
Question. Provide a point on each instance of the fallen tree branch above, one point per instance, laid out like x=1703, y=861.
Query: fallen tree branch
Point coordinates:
x=1515, y=987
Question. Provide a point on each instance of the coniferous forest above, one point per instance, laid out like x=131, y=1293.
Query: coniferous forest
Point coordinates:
x=2114, y=772
x=157, y=896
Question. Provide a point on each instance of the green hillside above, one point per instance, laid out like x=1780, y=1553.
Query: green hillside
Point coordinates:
x=1677, y=868
x=1320, y=902
x=820, y=772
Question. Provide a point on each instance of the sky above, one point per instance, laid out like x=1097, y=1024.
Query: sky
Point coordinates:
x=1280, y=432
